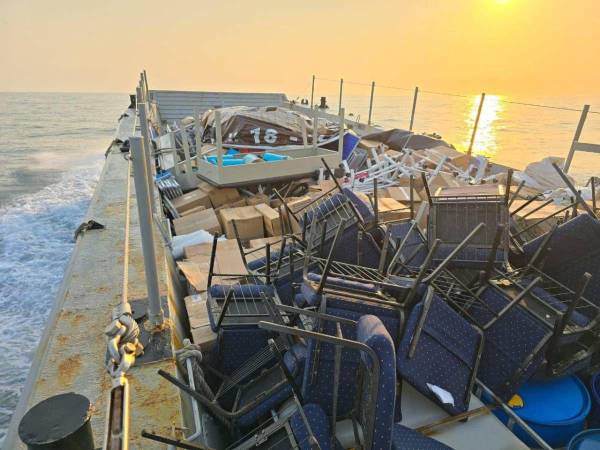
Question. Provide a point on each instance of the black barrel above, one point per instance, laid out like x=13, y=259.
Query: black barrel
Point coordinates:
x=59, y=422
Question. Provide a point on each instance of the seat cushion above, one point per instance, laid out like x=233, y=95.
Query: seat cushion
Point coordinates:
x=319, y=425
x=506, y=362
x=371, y=332
x=404, y=438
x=445, y=356
x=294, y=359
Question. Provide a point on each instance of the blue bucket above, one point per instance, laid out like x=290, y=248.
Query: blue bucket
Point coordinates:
x=586, y=440
x=595, y=390
x=556, y=410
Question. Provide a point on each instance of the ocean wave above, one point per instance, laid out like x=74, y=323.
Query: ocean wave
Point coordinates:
x=36, y=241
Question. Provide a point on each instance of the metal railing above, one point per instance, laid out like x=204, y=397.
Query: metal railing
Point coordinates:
x=576, y=145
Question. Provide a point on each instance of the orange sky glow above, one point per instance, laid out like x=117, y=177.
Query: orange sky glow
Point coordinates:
x=511, y=47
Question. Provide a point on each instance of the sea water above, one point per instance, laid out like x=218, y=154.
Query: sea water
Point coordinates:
x=52, y=150
x=51, y=153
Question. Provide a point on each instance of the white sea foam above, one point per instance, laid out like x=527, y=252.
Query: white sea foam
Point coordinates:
x=36, y=241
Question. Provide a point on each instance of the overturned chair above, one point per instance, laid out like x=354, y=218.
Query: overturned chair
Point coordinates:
x=281, y=423
x=455, y=211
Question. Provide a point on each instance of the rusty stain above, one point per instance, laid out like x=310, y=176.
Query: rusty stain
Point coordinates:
x=69, y=369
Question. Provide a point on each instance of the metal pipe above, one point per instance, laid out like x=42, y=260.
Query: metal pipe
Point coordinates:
x=470, y=151
x=341, y=137
x=312, y=92
x=117, y=426
x=414, y=107
x=371, y=102
x=219, y=141
x=578, y=131
x=574, y=191
x=510, y=412
x=315, y=137
x=341, y=92
x=155, y=312
x=143, y=116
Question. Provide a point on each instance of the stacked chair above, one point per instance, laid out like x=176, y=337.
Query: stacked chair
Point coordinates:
x=325, y=329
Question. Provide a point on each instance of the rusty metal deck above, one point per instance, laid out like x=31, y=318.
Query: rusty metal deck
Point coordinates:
x=71, y=354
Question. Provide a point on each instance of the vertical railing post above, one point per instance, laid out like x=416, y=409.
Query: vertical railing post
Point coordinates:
x=173, y=144
x=578, y=131
x=189, y=171
x=371, y=102
x=315, y=138
x=341, y=137
x=470, y=151
x=312, y=92
x=145, y=81
x=414, y=108
x=341, y=94
x=155, y=312
x=219, y=142
x=197, y=134
x=143, y=116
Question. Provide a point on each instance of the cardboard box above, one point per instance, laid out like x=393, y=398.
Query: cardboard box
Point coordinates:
x=201, y=220
x=392, y=210
x=248, y=221
x=223, y=196
x=441, y=180
x=197, y=265
x=196, y=310
x=471, y=190
x=259, y=243
x=193, y=210
x=257, y=199
x=192, y=199
x=271, y=219
x=205, y=337
x=323, y=186
x=456, y=158
x=297, y=203
x=402, y=194
x=203, y=250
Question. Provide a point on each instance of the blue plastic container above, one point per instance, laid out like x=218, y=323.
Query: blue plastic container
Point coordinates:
x=555, y=409
x=351, y=140
x=586, y=440
x=595, y=391
x=269, y=157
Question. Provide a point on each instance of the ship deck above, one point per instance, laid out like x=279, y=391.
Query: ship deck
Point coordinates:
x=71, y=354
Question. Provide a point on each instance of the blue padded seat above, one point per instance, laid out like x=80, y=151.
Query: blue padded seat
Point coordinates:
x=323, y=207
x=346, y=250
x=236, y=345
x=506, y=363
x=294, y=359
x=371, y=332
x=415, y=243
x=364, y=209
x=385, y=434
x=404, y=438
x=319, y=424
x=317, y=385
x=350, y=308
x=575, y=249
x=469, y=257
x=446, y=354
x=577, y=317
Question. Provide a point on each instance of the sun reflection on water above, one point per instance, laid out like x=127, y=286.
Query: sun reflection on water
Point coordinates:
x=485, y=139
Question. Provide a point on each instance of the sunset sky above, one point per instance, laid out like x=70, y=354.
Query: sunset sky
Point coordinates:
x=513, y=47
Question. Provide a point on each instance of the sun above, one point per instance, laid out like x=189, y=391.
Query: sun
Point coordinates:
x=502, y=2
